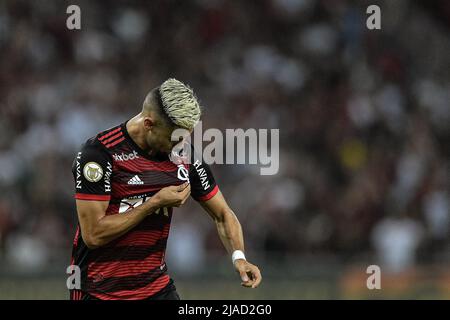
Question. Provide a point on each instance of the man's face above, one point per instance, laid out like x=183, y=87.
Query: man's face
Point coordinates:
x=159, y=137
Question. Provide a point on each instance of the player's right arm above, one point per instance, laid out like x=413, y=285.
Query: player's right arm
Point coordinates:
x=92, y=170
x=98, y=229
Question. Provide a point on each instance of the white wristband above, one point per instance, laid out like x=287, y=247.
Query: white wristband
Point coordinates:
x=237, y=254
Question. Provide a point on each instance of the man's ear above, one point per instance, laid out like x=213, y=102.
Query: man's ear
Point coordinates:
x=148, y=123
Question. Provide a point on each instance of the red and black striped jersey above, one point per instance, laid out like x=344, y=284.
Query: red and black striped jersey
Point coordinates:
x=112, y=167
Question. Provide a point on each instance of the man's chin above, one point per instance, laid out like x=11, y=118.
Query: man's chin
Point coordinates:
x=156, y=152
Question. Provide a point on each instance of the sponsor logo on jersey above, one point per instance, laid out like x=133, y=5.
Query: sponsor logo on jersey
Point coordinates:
x=132, y=203
x=78, y=171
x=108, y=174
x=126, y=157
x=92, y=171
x=202, y=174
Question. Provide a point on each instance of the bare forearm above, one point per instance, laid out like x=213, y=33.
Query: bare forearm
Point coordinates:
x=230, y=232
x=111, y=227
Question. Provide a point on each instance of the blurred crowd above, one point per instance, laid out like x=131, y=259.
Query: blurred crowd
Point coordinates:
x=363, y=116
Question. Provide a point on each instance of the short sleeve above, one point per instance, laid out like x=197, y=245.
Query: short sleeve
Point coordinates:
x=203, y=184
x=92, y=169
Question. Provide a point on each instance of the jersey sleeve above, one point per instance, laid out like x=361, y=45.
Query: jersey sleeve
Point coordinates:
x=92, y=169
x=203, y=184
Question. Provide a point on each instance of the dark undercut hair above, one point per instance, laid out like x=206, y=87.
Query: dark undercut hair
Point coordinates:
x=153, y=102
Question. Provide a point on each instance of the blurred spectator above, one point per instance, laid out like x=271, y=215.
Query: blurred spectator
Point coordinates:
x=396, y=240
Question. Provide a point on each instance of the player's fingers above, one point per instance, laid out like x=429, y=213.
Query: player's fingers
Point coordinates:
x=182, y=187
x=184, y=200
x=186, y=192
x=256, y=275
x=246, y=284
x=244, y=276
x=249, y=283
x=251, y=277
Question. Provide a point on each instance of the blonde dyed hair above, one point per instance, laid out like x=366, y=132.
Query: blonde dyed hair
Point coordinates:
x=180, y=103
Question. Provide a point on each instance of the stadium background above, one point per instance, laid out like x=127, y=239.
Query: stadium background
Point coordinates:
x=364, y=137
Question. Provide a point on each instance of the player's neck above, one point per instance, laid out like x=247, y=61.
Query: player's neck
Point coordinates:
x=138, y=136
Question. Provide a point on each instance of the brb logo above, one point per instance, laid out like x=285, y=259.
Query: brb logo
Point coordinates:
x=126, y=157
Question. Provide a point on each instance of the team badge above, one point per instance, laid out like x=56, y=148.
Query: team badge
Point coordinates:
x=183, y=173
x=93, y=172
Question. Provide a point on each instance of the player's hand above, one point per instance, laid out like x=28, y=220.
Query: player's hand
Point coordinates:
x=173, y=196
x=249, y=273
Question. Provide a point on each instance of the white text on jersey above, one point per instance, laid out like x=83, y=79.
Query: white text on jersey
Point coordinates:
x=126, y=157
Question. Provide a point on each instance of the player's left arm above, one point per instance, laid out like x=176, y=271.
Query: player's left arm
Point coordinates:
x=230, y=233
x=205, y=190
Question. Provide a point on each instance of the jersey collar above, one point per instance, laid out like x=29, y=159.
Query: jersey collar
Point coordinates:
x=158, y=157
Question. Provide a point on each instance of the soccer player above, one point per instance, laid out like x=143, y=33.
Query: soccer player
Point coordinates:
x=126, y=188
